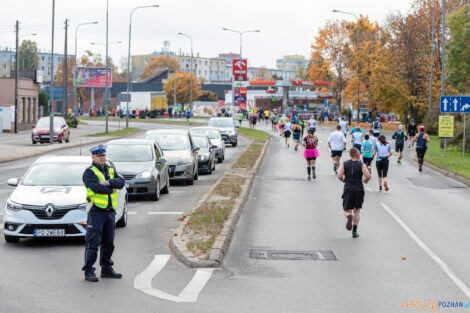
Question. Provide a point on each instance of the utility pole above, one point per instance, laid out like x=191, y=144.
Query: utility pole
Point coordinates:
x=106, y=69
x=51, y=101
x=17, y=26
x=65, y=75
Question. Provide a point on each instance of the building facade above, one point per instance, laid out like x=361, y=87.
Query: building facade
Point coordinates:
x=7, y=59
x=292, y=63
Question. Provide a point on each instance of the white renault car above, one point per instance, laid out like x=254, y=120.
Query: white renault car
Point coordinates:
x=49, y=201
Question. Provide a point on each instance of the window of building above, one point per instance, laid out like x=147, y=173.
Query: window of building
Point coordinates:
x=42, y=58
x=4, y=67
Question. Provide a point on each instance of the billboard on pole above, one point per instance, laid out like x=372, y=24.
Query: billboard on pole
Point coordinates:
x=92, y=77
x=240, y=69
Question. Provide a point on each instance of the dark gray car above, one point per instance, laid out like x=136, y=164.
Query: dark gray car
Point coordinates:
x=215, y=138
x=142, y=164
x=206, y=161
x=180, y=151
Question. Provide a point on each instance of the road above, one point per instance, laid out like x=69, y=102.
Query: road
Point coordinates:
x=412, y=246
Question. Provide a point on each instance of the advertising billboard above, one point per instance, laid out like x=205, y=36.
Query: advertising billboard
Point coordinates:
x=240, y=69
x=92, y=77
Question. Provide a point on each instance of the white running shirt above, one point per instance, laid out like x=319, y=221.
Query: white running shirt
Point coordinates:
x=287, y=126
x=357, y=137
x=344, y=126
x=311, y=123
x=337, y=141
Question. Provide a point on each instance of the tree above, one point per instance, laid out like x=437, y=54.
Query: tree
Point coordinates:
x=262, y=73
x=161, y=62
x=301, y=74
x=458, y=49
x=28, y=56
x=183, y=84
x=43, y=99
x=207, y=95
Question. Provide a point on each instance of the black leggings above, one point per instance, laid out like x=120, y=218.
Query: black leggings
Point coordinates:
x=420, y=153
x=382, y=167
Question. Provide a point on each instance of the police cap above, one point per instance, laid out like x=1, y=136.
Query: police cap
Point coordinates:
x=98, y=149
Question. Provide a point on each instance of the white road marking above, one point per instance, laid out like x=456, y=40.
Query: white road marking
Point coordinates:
x=190, y=293
x=165, y=213
x=368, y=189
x=429, y=252
x=131, y=212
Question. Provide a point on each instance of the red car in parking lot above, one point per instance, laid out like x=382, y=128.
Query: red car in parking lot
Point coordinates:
x=41, y=130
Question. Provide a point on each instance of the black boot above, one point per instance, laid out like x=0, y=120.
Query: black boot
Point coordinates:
x=91, y=278
x=111, y=274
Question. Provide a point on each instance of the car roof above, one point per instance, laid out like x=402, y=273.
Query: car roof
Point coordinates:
x=64, y=159
x=167, y=131
x=130, y=142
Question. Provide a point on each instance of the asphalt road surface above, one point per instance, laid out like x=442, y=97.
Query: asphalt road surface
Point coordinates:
x=413, y=246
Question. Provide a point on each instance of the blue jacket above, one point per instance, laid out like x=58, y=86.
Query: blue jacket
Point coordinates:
x=92, y=182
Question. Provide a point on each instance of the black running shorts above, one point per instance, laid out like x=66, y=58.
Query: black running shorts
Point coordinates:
x=338, y=153
x=353, y=200
x=382, y=167
x=399, y=146
x=367, y=161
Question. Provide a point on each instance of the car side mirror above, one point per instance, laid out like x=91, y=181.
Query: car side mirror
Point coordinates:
x=12, y=182
x=161, y=160
x=196, y=148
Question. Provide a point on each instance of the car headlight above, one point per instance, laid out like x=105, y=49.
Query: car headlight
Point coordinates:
x=204, y=157
x=144, y=175
x=82, y=207
x=13, y=207
x=184, y=161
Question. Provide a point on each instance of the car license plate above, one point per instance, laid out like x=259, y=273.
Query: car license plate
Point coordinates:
x=59, y=232
x=127, y=185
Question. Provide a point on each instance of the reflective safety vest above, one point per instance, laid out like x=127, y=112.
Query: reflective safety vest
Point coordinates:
x=101, y=200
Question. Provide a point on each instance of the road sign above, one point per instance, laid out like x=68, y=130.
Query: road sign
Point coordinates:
x=446, y=126
x=240, y=69
x=450, y=104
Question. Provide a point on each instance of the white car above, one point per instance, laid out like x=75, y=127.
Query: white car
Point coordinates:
x=49, y=201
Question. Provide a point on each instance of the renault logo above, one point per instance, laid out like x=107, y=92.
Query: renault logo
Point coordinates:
x=49, y=210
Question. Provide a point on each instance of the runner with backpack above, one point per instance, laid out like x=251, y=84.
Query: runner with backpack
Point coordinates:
x=421, y=140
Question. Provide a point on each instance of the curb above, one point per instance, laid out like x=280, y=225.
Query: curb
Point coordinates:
x=223, y=239
x=453, y=176
x=55, y=147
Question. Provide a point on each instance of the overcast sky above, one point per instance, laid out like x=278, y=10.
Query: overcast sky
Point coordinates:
x=287, y=27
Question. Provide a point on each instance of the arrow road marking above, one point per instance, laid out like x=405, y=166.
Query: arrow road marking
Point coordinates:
x=431, y=254
x=190, y=293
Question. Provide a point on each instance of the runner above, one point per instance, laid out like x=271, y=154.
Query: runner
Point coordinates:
x=273, y=121
x=287, y=132
x=296, y=132
x=311, y=123
x=372, y=138
x=240, y=117
x=412, y=131
x=311, y=153
x=376, y=126
x=400, y=137
x=344, y=127
x=383, y=152
x=336, y=143
x=421, y=140
x=357, y=137
x=354, y=129
x=266, y=116
x=302, y=124
x=351, y=173
x=280, y=125
x=367, y=149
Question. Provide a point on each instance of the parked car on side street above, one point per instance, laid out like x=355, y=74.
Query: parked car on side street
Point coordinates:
x=180, y=152
x=206, y=161
x=227, y=129
x=41, y=130
x=215, y=138
x=52, y=204
x=142, y=164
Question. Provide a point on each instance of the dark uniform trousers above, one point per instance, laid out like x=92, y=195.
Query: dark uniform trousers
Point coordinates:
x=99, y=233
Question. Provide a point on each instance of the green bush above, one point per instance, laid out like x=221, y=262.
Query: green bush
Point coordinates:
x=72, y=122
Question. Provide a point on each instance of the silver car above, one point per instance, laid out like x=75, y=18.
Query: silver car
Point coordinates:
x=49, y=201
x=215, y=138
x=142, y=164
x=227, y=129
x=180, y=152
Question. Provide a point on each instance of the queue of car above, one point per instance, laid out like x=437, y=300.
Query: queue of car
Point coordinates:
x=49, y=200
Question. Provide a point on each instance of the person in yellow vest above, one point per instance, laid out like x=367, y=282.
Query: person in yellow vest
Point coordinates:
x=101, y=182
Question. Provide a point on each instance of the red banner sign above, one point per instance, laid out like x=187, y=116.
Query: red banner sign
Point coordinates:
x=240, y=69
x=298, y=82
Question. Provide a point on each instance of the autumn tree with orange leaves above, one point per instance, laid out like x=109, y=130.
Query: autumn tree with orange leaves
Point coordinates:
x=183, y=84
x=161, y=62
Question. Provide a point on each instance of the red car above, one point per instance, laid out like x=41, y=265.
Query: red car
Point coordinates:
x=41, y=130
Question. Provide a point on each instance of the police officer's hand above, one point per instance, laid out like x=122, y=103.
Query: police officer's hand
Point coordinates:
x=106, y=183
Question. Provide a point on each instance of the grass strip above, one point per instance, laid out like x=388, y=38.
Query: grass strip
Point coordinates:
x=256, y=135
x=161, y=121
x=121, y=132
x=452, y=162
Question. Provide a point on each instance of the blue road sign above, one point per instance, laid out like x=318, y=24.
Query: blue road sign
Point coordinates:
x=455, y=104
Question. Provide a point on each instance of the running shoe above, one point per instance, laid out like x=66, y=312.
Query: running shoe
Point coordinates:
x=295, y=148
x=420, y=167
x=399, y=161
x=309, y=178
x=380, y=188
x=336, y=172
x=355, y=234
x=288, y=145
x=314, y=175
x=334, y=167
x=349, y=222
x=386, y=186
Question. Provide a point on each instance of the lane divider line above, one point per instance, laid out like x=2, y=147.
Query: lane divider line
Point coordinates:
x=165, y=213
x=429, y=252
x=190, y=293
x=131, y=212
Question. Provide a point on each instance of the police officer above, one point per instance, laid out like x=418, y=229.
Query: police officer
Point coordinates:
x=101, y=181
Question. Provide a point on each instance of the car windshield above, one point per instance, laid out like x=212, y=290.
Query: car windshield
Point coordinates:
x=221, y=122
x=58, y=174
x=211, y=133
x=44, y=122
x=200, y=141
x=170, y=141
x=129, y=153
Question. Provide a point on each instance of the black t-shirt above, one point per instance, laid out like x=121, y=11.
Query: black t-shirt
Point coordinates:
x=353, y=176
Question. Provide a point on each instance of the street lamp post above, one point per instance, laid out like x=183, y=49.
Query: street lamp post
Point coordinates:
x=104, y=44
x=129, y=58
x=191, y=69
x=357, y=56
x=241, y=34
x=74, y=86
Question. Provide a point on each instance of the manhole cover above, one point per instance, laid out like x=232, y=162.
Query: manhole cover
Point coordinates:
x=428, y=182
x=279, y=178
x=316, y=255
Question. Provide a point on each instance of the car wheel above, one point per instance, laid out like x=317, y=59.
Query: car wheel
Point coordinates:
x=12, y=239
x=190, y=181
x=60, y=140
x=166, y=190
x=34, y=142
x=209, y=171
x=220, y=159
x=122, y=222
x=156, y=195
x=213, y=165
x=68, y=138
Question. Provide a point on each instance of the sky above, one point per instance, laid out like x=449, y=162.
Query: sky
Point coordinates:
x=286, y=27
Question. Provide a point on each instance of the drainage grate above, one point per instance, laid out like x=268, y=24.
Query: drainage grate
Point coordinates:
x=316, y=255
